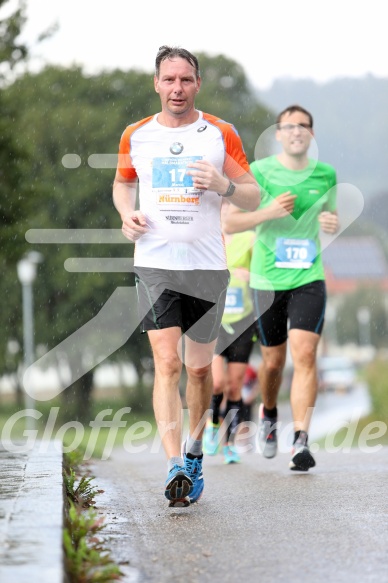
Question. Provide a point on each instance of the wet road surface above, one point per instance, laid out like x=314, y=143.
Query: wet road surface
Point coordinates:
x=257, y=521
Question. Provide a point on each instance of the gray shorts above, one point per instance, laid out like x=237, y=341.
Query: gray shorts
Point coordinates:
x=181, y=298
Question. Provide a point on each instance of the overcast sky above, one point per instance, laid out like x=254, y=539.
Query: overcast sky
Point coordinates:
x=271, y=39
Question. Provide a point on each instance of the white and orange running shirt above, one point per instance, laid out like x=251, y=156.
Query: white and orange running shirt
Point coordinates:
x=184, y=223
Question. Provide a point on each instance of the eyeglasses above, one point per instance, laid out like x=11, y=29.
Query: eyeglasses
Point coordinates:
x=290, y=127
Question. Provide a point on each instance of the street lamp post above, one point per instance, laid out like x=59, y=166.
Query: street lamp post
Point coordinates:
x=26, y=270
x=331, y=317
x=363, y=317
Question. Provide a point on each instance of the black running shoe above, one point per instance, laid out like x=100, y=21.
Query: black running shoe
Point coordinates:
x=301, y=460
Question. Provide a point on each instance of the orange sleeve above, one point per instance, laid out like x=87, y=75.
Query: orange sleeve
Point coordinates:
x=236, y=163
x=124, y=164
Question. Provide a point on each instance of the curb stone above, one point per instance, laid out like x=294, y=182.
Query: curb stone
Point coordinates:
x=31, y=512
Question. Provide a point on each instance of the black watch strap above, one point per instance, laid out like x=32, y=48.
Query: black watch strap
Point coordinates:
x=230, y=191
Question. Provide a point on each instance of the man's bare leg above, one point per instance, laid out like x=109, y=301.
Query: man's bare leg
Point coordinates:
x=270, y=373
x=198, y=359
x=168, y=412
x=270, y=378
x=199, y=384
x=166, y=398
x=304, y=387
x=303, y=346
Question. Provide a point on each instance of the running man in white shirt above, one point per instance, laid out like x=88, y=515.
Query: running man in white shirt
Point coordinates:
x=185, y=162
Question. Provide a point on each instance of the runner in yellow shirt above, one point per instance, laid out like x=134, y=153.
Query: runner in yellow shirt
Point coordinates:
x=234, y=346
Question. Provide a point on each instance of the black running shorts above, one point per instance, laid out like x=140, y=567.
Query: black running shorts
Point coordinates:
x=302, y=308
x=235, y=342
x=180, y=298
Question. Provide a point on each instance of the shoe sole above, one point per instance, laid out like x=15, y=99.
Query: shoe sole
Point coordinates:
x=178, y=489
x=302, y=460
x=179, y=503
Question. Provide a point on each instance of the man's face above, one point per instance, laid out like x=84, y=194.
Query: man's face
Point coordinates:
x=295, y=133
x=177, y=86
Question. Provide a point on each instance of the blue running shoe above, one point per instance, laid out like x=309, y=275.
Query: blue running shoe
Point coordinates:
x=178, y=487
x=231, y=455
x=193, y=468
x=211, y=439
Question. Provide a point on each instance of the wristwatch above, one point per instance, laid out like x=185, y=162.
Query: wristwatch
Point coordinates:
x=230, y=191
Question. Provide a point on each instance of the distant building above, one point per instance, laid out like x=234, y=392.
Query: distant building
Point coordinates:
x=352, y=262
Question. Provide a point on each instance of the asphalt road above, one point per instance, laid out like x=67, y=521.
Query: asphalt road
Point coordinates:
x=256, y=522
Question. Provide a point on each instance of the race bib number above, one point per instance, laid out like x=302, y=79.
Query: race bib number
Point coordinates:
x=176, y=215
x=169, y=175
x=295, y=253
x=234, y=301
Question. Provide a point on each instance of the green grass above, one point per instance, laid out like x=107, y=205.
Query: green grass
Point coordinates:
x=372, y=430
x=87, y=558
x=376, y=375
x=366, y=433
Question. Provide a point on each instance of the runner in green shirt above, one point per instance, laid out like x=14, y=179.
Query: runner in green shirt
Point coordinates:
x=287, y=276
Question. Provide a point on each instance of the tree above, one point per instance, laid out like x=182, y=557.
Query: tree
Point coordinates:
x=70, y=113
x=11, y=50
x=12, y=202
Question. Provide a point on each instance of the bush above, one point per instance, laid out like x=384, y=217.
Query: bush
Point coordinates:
x=376, y=375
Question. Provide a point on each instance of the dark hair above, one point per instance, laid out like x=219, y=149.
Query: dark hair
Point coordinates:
x=292, y=109
x=166, y=52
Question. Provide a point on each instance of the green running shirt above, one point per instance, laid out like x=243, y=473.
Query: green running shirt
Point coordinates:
x=287, y=252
